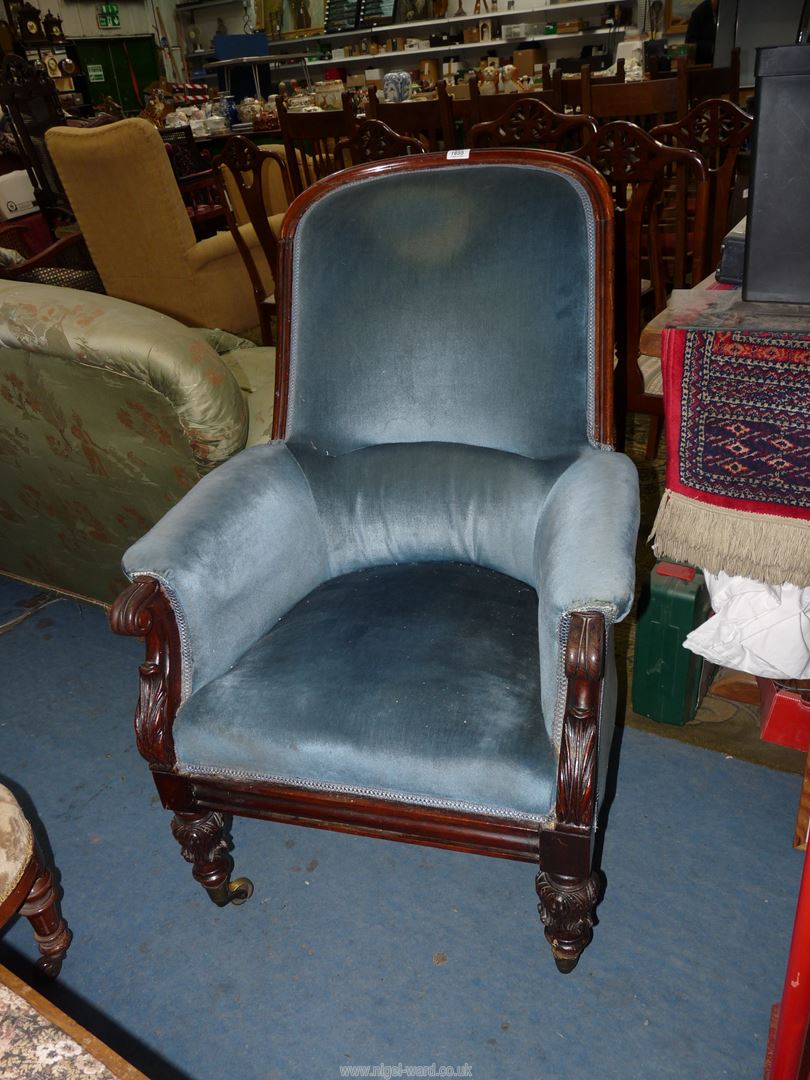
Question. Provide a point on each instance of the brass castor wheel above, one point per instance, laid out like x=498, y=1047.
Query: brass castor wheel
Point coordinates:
x=565, y=964
x=232, y=892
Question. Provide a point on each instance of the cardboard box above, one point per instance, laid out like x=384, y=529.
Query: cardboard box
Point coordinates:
x=355, y=81
x=16, y=195
x=471, y=35
x=526, y=59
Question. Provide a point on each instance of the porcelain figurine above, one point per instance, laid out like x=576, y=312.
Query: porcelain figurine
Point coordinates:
x=509, y=80
x=488, y=83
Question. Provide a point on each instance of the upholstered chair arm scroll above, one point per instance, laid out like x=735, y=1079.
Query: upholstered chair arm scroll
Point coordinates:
x=585, y=558
x=242, y=547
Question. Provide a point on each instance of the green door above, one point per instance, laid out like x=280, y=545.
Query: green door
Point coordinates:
x=119, y=68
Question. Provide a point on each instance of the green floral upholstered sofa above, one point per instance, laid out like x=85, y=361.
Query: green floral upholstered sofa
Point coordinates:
x=109, y=413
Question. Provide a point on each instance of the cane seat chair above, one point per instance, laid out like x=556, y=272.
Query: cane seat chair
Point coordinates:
x=396, y=618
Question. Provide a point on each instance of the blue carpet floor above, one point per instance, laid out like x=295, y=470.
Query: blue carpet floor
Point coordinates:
x=356, y=951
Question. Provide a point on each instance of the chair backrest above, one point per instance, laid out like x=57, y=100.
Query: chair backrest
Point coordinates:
x=184, y=154
x=705, y=81
x=401, y=322
x=654, y=100
x=531, y=123
x=125, y=196
x=309, y=142
x=488, y=107
x=639, y=171
x=375, y=141
x=568, y=88
x=717, y=130
x=28, y=95
x=428, y=119
x=241, y=171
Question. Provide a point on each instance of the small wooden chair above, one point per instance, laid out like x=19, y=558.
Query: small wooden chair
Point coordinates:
x=638, y=170
x=310, y=139
x=375, y=141
x=569, y=90
x=531, y=123
x=241, y=175
x=647, y=103
x=26, y=886
x=705, y=81
x=66, y=262
x=430, y=120
x=484, y=108
x=717, y=130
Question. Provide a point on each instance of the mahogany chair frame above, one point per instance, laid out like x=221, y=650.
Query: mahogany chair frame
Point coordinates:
x=486, y=108
x=705, y=81
x=638, y=169
x=35, y=897
x=567, y=886
x=246, y=163
x=653, y=101
x=431, y=121
x=373, y=140
x=529, y=122
x=717, y=130
x=310, y=139
x=569, y=91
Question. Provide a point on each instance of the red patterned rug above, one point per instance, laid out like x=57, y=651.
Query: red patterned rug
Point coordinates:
x=738, y=472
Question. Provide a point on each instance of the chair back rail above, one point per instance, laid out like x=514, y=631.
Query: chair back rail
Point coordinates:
x=485, y=108
x=648, y=103
x=569, y=90
x=705, y=81
x=309, y=141
x=431, y=121
x=375, y=141
x=528, y=122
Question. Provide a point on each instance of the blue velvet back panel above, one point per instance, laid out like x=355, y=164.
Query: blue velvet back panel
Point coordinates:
x=444, y=305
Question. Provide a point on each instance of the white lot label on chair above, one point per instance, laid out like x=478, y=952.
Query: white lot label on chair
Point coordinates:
x=457, y=155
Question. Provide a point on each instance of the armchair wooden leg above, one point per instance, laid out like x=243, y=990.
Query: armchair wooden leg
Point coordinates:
x=41, y=908
x=202, y=843
x=567, y=907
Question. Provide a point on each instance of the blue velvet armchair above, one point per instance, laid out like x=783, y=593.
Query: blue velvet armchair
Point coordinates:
x=395, y=619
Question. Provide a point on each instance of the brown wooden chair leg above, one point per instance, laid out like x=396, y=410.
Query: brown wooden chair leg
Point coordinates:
x=201, y=836
x=41, y=908
x=567, y=908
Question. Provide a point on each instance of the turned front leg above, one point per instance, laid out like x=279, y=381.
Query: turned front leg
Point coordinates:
x=201, y=836
x=41, y=908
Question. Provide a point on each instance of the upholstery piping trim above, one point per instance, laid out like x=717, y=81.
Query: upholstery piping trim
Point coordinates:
x=351, y=789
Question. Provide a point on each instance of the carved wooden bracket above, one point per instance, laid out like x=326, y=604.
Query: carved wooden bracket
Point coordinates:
x=143, y=610
x=584, y=669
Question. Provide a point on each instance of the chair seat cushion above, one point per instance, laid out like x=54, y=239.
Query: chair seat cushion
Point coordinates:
x=417, y=682
x=16, y=843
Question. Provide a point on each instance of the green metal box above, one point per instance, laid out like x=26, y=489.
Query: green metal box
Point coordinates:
x=668, y=680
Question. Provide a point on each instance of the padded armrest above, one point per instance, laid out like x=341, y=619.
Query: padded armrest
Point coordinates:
x=220, y=246
x=584, y=555
x=239, y=550
x=113, y=335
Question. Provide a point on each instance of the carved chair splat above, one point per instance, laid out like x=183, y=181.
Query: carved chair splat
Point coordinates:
x=639, y=170
x=529, y=122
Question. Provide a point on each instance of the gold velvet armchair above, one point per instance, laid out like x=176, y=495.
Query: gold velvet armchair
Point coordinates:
x=125, y=197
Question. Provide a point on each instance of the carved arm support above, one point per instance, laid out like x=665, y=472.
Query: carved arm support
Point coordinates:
x=566, y=849
x=142, y=610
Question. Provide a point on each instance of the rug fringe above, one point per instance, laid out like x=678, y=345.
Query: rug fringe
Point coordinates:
x=759, y=546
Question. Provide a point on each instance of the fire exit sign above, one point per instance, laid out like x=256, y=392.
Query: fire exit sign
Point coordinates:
x=107, y=16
